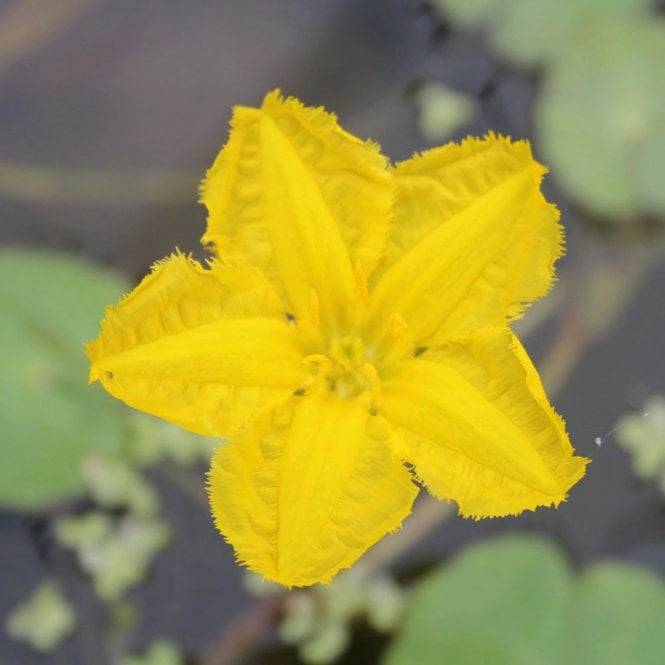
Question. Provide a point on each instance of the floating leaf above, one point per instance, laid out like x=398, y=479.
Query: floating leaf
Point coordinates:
x=618, y=617
x=51, y=418
x=43, y=620
x=600, y=113
x=601, y=121
x=514, y=601
x=533, y=32
x=499, y=603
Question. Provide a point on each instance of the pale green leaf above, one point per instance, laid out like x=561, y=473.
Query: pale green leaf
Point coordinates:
x=532, y=32
x=642, y=434
x=601, y=117
x=87, y=530
x=123, y=559
x=50, y=305
x=514, y=601
x=443, y=111
x=502, y=602
x=326, y=644
x=43, y=620
x=619, y=612
x=116, y=554
x=113, y=483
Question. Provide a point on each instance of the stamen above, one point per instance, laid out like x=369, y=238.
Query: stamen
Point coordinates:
x=324, y=367
x=399, y=328
x=324, y=363
x=375, y=392
x=361, y=282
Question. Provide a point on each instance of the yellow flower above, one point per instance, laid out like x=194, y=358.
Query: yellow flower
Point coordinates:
x=350, y=336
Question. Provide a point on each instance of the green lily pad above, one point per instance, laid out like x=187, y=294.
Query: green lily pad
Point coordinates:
x=601, y=117
x=502, y=603
x=531, y=32
x=618, y=617
x=514, y=601
x=51, y=418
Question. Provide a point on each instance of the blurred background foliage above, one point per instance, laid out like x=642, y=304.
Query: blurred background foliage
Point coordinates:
x=111, y=113
x=599, y=112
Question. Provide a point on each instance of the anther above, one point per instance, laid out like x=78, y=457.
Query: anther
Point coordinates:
x=324, y=365
x=320, y=359
x=375, y=391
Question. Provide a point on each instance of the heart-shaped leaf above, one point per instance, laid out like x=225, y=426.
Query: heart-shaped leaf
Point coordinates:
x=514, y=601
x=50, y=417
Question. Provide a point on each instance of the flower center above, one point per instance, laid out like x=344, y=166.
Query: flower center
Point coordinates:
x=345, y=369
x=347, y=377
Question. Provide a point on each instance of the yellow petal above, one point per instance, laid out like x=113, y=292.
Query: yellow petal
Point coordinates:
x=475, y=422
x=301, y=199
x=473, y=240
x=200, y=348
x=309, y=489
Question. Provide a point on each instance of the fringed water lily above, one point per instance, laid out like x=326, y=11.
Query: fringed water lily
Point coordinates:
x=350, y=338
